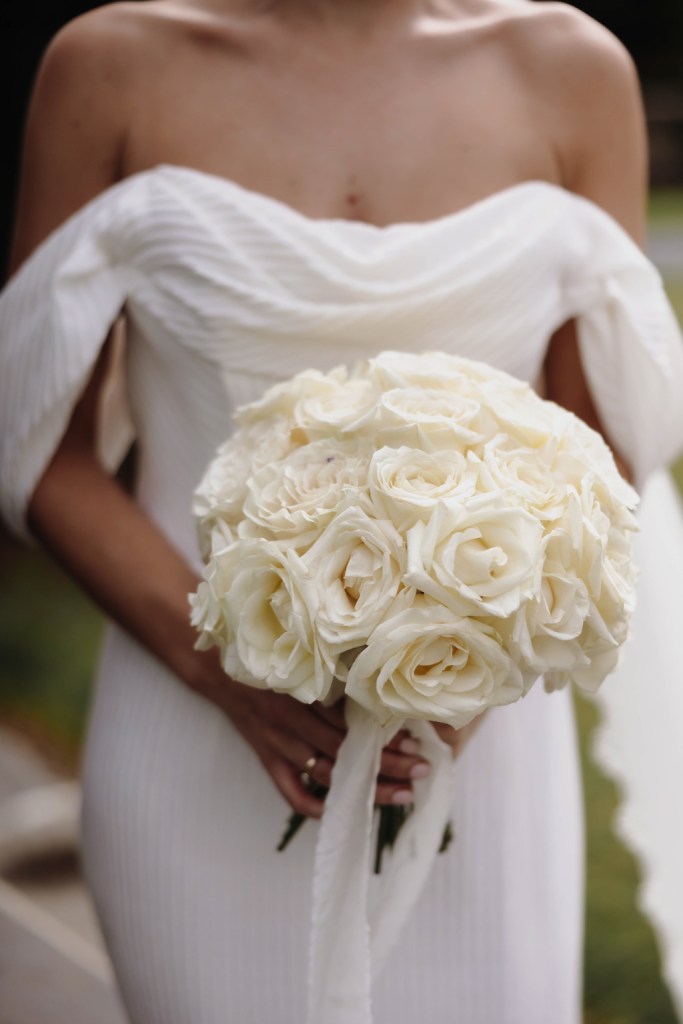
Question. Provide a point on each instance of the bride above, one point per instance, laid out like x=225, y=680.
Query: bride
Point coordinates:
x=263, y=187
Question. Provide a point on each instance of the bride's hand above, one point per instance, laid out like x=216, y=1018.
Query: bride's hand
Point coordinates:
x=457, y=738
x=285, y=734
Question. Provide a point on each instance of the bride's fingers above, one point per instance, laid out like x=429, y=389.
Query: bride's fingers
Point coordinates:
x=292, y=749
x=397, y=766
x=393, y=793
x=301, y=800
x=295, y=792
x=321, y=772
x=321, y=736
x=405, y=742
x=333, y=714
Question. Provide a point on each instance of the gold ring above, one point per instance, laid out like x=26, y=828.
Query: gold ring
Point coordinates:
x=305, y=774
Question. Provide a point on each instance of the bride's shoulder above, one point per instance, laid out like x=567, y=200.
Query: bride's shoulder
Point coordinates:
x=565, y=50
x=128, y=30
x=583, y=87
x=122, y=39
x=91, y=89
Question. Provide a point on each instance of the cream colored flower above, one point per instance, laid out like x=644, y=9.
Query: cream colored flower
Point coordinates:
x=545, y=631
x=440, y=370
x=206, y=603
x=293, y=499
x=219, y=498
x=527, y=474
x=433, y=419
x=582, y=453
x=406, y=484
x=588, y=597
x=391, y=370
x=269, y=604
x=358, y=564
x=282, y=399
x=425, y=663
x=600, y=659
x=480, y=559
x=527, y=419
x=334, y=410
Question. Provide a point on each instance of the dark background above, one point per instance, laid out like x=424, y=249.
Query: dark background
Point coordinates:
x=653, y=32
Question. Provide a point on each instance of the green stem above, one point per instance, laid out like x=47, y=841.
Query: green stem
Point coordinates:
x=391, y=821
x=295, y=821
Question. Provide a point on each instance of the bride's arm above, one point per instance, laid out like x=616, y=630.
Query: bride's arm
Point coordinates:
x=604, y=156
x=74, y=141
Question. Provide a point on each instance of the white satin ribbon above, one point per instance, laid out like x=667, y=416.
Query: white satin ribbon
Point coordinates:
x=346, y=949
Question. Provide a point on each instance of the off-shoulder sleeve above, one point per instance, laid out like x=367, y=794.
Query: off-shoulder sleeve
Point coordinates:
x=55, y=314
x=630, y=341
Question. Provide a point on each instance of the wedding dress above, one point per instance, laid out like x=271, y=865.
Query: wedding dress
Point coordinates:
x=225, y=291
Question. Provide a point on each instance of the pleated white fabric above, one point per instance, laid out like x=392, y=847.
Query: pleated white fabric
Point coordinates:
x=225, y=291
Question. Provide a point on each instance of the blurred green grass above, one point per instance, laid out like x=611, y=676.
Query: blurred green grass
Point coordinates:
x=49, y=638
x=666, y=207
x=666, y=215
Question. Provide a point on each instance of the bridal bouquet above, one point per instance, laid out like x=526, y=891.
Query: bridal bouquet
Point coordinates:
x=425, y=535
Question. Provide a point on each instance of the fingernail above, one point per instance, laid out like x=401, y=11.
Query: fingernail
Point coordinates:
x=420, y=771
x=402, y=796
x=409, y=746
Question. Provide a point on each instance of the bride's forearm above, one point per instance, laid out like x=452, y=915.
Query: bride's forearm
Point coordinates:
x=565, y=383
x=105, y=541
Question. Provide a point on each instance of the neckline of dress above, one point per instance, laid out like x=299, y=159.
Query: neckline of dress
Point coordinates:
x=361, y=226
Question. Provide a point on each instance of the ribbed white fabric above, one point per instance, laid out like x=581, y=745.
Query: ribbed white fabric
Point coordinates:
x=225, y=291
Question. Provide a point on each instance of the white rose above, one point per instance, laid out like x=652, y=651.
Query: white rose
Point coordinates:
x=206, y=608
x=293, y=499
x=282, y=399
x=429, y=418
x=220, y=496
x=492, y=390
x=333, y=410
x=528, y=473
x=440, y=370
x=424, y=663
x=588, y=545
x=600, y=544
x=544, y=632
x=406, y=484
x=266, y=440
x=480, y=559
x=391, y=370
x=528, y=419
x=581, y=453
x=358, y=565
x=269, y=603
x=600, y=659
x=612, y=609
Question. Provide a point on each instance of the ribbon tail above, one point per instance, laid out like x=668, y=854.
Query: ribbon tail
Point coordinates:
x=417, y=845
x=340, y=975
